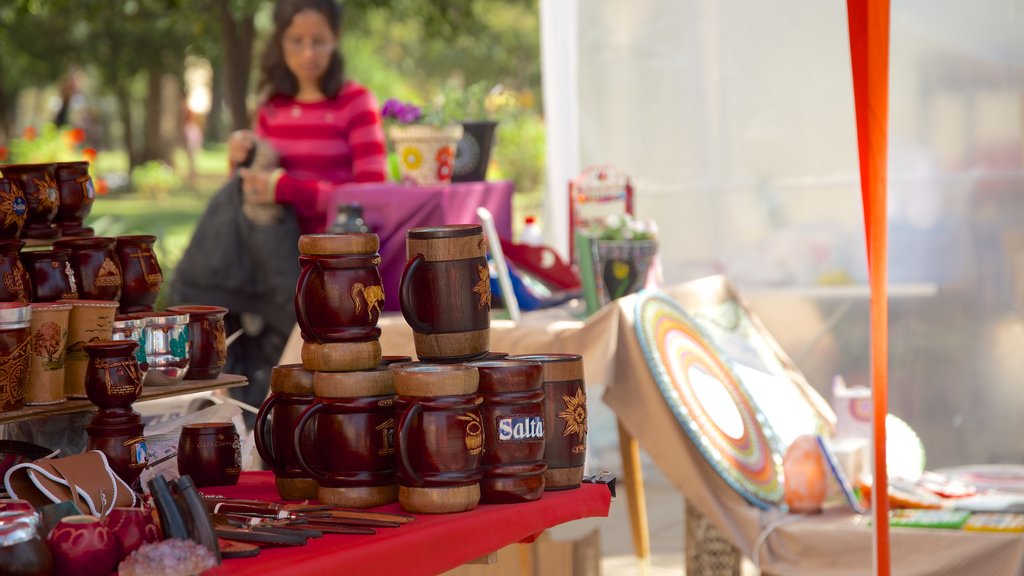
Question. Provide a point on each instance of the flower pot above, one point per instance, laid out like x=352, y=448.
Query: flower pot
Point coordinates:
x=426, y=154
x=621, y=266
x=473, y=152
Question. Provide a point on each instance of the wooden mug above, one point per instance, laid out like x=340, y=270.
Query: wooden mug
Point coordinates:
x=141, y=275
x=16, y=286
x=95, y=266
x=565, y=418
x=513, y=417
x=210, y=453
x=118, y=433
x=38, y=182
x=338, y=299
x=77, y=194
x=291, y=392
x=13, y=208
x=354, y=446
x=51, y=274
x=440, y=437
x=445, y=292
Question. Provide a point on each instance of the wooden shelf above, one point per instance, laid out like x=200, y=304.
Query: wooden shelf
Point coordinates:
x=148, y=393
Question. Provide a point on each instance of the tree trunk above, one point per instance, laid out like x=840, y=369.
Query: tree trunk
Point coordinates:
x=124, y=106
x=153, y=147
x=214, y=130
x=237, y=34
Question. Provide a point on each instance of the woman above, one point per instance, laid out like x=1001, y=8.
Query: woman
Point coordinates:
x=326, y=130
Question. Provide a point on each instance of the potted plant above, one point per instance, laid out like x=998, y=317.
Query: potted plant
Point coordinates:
x=473, y=153
x=623, y=251
x=424, y=143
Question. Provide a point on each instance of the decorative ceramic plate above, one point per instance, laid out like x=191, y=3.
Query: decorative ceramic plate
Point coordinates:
x=790, y=406
x=701, y=388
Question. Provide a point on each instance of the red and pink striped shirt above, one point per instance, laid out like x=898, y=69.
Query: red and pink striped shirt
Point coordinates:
x=323, y=144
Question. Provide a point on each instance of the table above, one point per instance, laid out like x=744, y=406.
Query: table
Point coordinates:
x=431, y=544
x=836, y=543
x=390, y=209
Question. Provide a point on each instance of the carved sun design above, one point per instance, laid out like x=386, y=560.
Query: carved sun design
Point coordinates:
x=483, y=287
x=575, y=414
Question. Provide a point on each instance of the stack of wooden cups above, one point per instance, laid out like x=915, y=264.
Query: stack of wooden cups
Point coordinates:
x=343, y=436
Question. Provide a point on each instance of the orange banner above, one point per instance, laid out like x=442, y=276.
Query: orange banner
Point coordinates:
x=869, y=56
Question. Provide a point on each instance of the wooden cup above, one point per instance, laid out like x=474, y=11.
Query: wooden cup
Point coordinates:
x=338, y=299
x=49, y=347
x=513, y=417
x=291, y=392
x=440, y=437
x=445, y=292
x=565, y=418
x=210, y=453
x=354, y=446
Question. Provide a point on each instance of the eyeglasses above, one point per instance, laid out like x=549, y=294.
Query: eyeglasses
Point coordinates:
x=298, y=45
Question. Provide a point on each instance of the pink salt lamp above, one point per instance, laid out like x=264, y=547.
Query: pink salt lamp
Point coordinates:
x=804, y=472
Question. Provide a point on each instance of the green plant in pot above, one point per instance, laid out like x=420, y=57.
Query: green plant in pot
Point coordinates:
x=477, y=105
x=424, y=143
x=623, y=252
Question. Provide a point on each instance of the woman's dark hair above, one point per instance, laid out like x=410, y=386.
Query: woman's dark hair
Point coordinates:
x=277, y=79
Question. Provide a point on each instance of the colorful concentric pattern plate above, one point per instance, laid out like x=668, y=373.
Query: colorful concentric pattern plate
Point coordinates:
x=703, y=392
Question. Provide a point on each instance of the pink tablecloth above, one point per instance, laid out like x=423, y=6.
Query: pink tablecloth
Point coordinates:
x=391, y=209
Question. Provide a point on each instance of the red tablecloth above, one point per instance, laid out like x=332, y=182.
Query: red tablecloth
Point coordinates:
x=391, y=209
x=431, y=544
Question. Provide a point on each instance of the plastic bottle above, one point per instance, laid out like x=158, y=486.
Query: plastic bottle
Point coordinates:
x=531, y=234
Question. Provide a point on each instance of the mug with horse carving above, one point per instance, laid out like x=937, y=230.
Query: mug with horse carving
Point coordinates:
x=338, y=300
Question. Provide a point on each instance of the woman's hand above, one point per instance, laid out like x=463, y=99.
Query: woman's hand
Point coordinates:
x=258, y=185
x=239, y=144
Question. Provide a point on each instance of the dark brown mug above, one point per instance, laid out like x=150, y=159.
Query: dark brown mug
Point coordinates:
x=95, y=267
x=565, y=418
x=513, y=417
x=210, y=453
x=118, y=433
x=15, y=285
x=52, y=277
x=141, y=276
x=15, y=342
x=354, y=446
x=291, y=392
x=13, y=208
x=338, y=299
x=445, y=292
x=208, y=339
x=113, y=378
x=76, y=197
x=38, y=182
x=440, y=437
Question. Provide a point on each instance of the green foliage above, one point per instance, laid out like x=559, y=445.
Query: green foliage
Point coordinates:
x=155, y=178
x=51, y=144
x=519, y=152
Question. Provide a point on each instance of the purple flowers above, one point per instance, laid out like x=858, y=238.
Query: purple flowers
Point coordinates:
x=400, y=111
